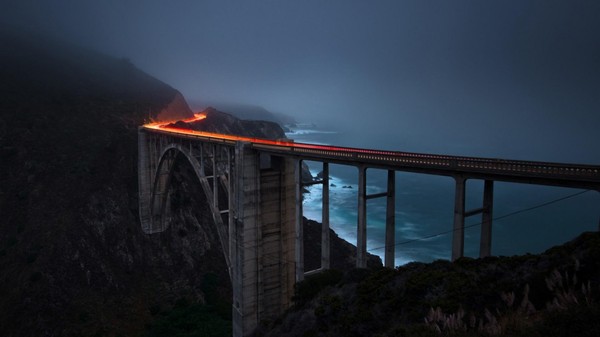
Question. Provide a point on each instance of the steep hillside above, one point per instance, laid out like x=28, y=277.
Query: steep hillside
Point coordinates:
x=556, y=293
x=73, y=260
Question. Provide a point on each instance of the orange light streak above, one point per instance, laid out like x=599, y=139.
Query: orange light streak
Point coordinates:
x=290, y=145
x=196, y=117
x=163, y=126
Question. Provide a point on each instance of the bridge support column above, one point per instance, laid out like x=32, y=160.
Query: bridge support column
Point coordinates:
x=485, y=243
x=262, y=240
x=361, y=233
x=244, y=241
x=458, y=234
x=299, y=223
x=390, y=220
x=325, y=249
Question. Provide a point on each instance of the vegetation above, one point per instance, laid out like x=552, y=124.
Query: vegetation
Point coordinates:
x=556, y=293
x=209, y=319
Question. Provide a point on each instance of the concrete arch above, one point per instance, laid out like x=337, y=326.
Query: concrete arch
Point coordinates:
x=160, y=187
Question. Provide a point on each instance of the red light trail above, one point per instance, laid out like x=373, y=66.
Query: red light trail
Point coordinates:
x=421, y=161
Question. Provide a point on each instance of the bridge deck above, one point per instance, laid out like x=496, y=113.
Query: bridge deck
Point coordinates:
x=520, y=171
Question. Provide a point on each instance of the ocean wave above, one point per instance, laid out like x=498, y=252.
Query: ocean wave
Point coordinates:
x=308, y=132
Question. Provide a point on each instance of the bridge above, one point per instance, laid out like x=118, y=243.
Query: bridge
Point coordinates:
x=254, y=188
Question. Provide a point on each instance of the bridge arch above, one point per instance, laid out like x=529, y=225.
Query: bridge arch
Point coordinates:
x=161, y=182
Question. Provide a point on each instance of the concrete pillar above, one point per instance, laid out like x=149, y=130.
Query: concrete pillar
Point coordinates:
x=458, y=235
x=390, y=221
x=361, y=233
x=288, y=237
x=276, y=252
x=299, y=223
x=325, y=249
x=485, y=243
x=244, y=242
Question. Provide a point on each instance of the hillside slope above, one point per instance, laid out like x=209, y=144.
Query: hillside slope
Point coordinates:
x=556, y=293
x=73, y=260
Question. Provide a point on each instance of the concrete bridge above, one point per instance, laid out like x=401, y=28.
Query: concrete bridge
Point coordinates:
x=254, y=188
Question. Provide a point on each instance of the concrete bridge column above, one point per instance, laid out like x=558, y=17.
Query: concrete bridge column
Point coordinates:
x=325, y=249
x=485, y=243
x=244, y=241
x=299, y=223
x=458, y=235
x=361, y=233
x=390, y=220
x=262, y=240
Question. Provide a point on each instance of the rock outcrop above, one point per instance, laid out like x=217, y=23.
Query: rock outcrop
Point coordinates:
x=221, y=122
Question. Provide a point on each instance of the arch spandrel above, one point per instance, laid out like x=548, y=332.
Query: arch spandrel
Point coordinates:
x=156, y=220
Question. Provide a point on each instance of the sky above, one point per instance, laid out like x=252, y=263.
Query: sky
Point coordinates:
x=511, y=79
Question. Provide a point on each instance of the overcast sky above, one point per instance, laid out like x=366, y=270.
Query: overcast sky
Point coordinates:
x=496, y=78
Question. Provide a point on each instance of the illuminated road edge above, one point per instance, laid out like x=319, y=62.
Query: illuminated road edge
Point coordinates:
x=544, y=173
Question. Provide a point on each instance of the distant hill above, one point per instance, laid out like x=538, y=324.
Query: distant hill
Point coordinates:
x=247, y=112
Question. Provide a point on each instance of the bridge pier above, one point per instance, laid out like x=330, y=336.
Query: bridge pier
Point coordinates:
x=361, y=231
x=262, y=239
x=299, y=244
x=325, y=239
x=458, y=236
x=390, y=221
x=485, y=243
x=325, y=245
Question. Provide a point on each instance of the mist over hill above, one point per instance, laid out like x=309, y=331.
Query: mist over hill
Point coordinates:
x=246, y=111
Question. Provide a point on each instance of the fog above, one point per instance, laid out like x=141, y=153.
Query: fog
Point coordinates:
x=515, y=79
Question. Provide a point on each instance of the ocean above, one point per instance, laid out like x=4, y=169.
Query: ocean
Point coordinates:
x=425, y=208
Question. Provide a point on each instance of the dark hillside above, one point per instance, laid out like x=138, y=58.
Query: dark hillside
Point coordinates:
x=555, y=293
x=73, y=260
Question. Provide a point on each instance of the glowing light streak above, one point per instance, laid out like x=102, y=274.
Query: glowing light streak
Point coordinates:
x=195, y=118
x=508, y=166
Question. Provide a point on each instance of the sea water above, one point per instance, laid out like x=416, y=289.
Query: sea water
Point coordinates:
x=425, y=208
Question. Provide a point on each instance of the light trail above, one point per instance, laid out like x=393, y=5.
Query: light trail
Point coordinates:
x=544, y=173
x=164, y=126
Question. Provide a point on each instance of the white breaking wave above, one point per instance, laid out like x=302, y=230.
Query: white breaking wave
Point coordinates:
x=296, y=132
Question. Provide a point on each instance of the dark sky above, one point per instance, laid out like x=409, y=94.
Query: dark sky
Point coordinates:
x=496, y=78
